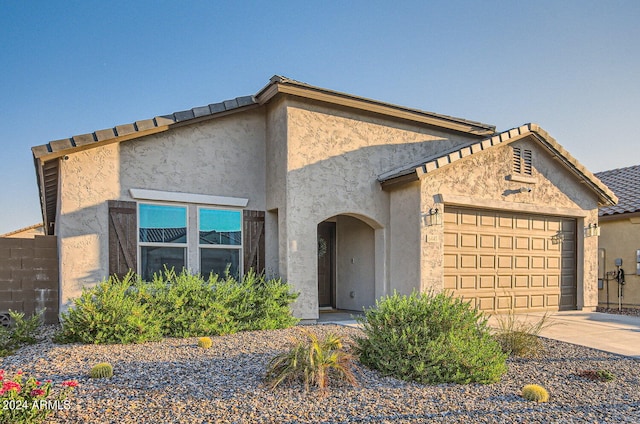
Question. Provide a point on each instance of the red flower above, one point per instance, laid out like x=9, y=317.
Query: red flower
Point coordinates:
x=37, y=392
x=70, y=383
x=10, y=385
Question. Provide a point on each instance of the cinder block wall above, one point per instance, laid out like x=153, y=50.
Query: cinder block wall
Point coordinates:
x=29, y=276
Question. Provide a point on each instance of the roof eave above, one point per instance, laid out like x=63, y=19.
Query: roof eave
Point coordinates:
x=281, y=85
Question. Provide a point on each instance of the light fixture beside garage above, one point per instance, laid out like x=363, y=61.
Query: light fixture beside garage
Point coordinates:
x=591, y=230
x=557, y=238
x=433, y=217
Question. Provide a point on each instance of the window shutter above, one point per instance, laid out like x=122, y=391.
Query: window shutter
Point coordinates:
x=253, y=240
x=122, y=237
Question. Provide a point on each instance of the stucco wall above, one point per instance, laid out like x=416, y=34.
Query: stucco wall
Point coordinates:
x=620, y=238
x=481, y=180
x=334, y=158
x=405, y=239
x=222, y=157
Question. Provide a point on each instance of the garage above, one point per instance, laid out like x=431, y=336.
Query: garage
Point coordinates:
x=503, y=261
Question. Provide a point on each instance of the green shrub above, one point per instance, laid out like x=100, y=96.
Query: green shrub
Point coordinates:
x=535, y=393
x=187, y=304
x=518, y=337
x=192, y=306
x=314, y=362
x=21, y=332
x=205, y=342
x=175, y=305
x=430, y=339
x=101, y=370
x=111, y=312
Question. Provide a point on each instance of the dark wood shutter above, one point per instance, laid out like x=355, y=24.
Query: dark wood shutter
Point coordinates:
x=122, y=237
x=253, y=240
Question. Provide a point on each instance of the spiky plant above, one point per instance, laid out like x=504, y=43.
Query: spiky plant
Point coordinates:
x=205, y=342
x=535, y=393
x=518, y=337
x=101, y=370
x=315, y=362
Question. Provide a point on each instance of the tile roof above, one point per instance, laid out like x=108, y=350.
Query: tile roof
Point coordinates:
x=413, y=171
x=140, y=128
x=625, y=183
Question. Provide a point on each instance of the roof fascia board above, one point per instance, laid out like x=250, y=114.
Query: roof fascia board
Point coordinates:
x=368, y=105
x=604, y=197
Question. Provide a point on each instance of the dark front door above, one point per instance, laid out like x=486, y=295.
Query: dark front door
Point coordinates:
x=326, y=263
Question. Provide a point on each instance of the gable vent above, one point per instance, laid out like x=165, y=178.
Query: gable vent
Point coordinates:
x=522, y=161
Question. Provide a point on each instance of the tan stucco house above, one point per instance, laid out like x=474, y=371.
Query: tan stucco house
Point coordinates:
x=346, y=198
x=620, y=240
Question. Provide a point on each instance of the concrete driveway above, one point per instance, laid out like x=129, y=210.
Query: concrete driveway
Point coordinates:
x=608, y=332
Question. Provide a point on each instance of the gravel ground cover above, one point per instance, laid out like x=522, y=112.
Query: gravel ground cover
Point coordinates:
x=174, y=381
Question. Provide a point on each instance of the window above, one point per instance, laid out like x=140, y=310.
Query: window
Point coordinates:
x=162, y=238
x=522, y=161
x=220, y=241
x=168, y=237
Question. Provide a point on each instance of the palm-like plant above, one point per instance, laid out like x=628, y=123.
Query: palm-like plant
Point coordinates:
x=314, y=362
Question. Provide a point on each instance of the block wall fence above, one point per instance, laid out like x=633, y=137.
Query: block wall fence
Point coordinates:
x=29, y=277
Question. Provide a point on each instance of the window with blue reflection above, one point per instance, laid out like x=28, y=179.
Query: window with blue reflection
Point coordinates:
x=163, y=224
x=221, y=227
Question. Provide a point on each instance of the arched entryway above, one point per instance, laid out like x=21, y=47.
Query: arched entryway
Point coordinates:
x=346, y=263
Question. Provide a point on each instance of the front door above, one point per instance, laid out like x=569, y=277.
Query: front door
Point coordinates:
x=326, y=264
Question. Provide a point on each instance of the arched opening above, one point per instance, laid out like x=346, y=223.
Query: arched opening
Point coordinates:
x=346, y=263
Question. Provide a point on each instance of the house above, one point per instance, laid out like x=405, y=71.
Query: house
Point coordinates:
x=26, y=232
x=346, y=198
x=620, y=239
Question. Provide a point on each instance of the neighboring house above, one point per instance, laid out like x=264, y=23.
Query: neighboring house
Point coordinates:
x=346, y=198
x=620, y=238
x=27, y=232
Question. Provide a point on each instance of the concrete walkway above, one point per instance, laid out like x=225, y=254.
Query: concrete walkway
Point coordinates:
x=607, y=332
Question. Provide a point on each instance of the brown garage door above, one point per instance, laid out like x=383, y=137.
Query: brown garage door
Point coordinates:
x=504, y=261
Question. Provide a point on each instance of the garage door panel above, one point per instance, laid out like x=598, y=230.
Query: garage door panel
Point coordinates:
x=504, y=261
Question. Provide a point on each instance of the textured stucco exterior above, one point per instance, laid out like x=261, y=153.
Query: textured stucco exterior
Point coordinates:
x=333, y=159
x=620, y=238
x=483, y=181
x=215, y=158
x=304, y=161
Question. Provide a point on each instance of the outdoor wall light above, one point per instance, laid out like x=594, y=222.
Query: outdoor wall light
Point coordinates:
x=557, y=238
x=591, y=230
x=433, y=217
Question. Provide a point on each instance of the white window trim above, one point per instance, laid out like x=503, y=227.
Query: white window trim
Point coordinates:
x=173, y=196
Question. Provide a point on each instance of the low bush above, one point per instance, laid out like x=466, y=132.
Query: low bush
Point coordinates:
x=111, y=312
x=517, y=337
x=430, y=338
x=130, y=310
x=535, y=393
x=314, y=362
x=20, y=332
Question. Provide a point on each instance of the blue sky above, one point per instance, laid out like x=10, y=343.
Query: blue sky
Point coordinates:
x=73, y=67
